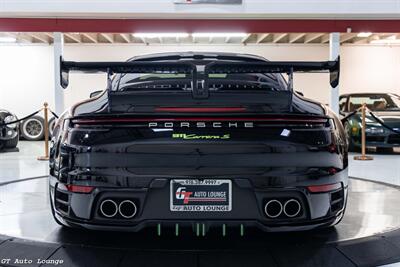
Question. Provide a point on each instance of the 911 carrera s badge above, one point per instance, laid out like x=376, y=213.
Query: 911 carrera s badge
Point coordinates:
x=200, y=137
x=201, y=195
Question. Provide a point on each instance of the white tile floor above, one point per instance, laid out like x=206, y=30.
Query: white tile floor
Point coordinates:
x=383, y=168
x=24, y=164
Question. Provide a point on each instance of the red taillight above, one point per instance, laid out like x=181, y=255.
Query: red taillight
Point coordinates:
x=324, y=188
x=203, y=109
x=80, y=188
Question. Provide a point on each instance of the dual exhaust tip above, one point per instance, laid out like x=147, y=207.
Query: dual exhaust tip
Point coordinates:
x=126, y=208
x=275, y=208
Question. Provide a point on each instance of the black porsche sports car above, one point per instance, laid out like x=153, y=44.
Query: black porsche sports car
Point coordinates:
x=202, y=140
x=9, y=133
x=387, y=109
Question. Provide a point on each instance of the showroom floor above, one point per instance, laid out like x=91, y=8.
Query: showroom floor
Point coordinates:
x=371, y=214
x=384, y=168
x=22, y=162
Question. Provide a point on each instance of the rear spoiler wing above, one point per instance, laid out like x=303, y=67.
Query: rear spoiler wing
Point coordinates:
x=122, y=67
x=200, y=88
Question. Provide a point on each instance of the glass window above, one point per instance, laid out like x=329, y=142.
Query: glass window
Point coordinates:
x=216, y=82
x=375, y=102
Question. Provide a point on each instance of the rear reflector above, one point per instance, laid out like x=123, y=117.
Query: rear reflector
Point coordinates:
x=209, y=109
x=324, y=188
x=79, y=188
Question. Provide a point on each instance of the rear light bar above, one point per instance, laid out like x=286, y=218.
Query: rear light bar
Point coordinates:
x=203, y=109
x=202, y=119
x=324, y=188
x=79, y=188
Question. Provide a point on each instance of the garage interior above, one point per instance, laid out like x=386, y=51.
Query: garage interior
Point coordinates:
x=31, y=44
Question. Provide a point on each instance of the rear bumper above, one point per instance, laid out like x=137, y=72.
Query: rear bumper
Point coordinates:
x=248, y=201
x=231, y=225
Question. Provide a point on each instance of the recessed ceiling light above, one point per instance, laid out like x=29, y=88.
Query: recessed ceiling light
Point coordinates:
x=7, y=39
x=218, y=34
x=364, y=34
x=160, y=35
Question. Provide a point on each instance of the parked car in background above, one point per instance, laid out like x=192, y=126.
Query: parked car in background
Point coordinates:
x=383, y=105
x=9, y=134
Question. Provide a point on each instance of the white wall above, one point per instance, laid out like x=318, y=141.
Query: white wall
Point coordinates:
x=26, y=72
x=26, y=78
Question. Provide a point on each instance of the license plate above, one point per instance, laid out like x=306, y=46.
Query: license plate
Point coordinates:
x=207, y=195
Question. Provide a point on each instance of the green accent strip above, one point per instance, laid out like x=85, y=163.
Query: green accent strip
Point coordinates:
x=177, y=229
x=204, y=229
x=197, y=229
x=223, y=230
x=241, y=230
x=159, y=229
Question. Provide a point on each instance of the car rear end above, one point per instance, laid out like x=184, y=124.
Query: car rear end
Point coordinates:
x=274, y=172
x=251, y=154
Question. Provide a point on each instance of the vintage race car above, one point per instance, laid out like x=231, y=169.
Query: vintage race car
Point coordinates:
x=204, y=140
x=9, y=133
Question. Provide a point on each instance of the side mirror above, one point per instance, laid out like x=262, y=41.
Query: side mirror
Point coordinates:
x=95, y=93
x=299, y=93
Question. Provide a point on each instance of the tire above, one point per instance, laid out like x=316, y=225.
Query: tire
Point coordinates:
x=52, y=123
x=12, y=143
x=32, y=129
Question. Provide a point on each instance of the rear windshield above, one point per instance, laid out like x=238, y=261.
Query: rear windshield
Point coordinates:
x=216, y=82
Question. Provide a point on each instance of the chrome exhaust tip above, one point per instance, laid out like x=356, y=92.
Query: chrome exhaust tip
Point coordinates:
x=127, y=209
x=108, y=208
x=292, y=208
x=273, y=208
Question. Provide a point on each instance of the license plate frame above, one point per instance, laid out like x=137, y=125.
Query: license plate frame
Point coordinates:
x=197, y=195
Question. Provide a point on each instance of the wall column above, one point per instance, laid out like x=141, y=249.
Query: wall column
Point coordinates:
x=58, y=90
x=334, y=50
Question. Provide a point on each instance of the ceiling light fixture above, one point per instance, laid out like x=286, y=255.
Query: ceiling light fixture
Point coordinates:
x=161, y=35
x=7, y=39
x=219, y=34
x=364, y=34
